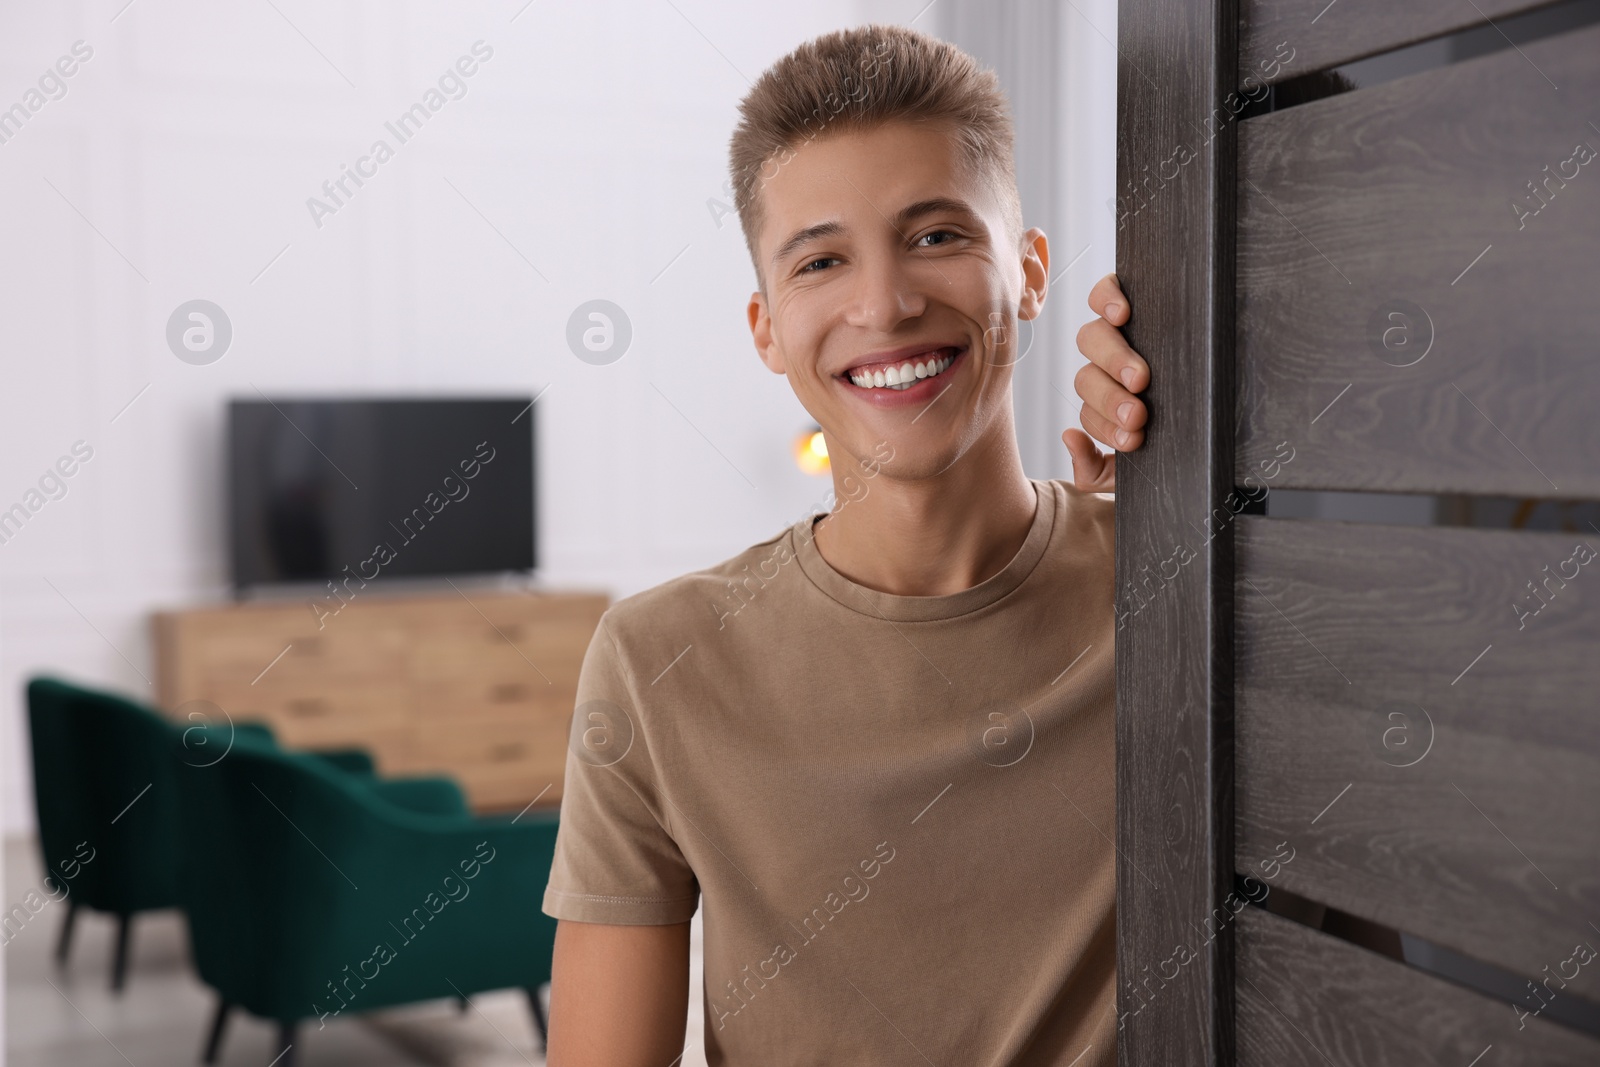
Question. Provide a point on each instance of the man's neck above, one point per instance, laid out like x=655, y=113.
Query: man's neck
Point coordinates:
x=932, y=536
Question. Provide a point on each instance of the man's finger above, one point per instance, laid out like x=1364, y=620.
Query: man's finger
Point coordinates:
x=1103, y=345
x=1107, y=301
x=1106, y=398
x=1109, y=433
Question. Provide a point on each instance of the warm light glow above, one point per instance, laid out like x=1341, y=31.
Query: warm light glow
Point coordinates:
x=811, y=451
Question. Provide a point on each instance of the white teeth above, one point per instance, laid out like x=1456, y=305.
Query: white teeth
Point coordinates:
x=904, y=376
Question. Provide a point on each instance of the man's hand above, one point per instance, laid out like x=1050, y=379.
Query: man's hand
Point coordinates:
x=1111, y=413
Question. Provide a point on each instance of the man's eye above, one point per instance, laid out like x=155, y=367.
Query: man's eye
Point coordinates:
x=936, y=233
x=816, y=262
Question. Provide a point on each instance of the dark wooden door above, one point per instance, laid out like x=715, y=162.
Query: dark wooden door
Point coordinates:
x=1358, y=762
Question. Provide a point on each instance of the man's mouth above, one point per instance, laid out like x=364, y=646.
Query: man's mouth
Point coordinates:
x=906, y=373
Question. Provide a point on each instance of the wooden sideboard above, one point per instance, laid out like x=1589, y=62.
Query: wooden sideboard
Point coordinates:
x=478, y=686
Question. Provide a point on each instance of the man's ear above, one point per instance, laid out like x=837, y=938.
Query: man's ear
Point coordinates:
x=1035, y=273
x=761, y=333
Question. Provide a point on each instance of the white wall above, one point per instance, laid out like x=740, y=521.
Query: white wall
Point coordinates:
x=592, y=141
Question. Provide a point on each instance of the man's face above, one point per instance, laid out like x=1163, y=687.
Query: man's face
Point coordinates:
x=882, y=251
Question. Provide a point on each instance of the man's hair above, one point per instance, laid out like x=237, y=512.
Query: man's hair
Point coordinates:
x=859, y=79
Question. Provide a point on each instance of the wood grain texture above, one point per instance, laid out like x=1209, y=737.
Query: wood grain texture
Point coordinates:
x=1174, y=772
x=480, y=689
x=1345, y=30
x=1405, y=191
x=1429, y=750
x=1310, y=1000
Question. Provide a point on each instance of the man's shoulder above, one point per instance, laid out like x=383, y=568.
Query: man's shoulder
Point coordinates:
x=1085, y=509
x=1083, y=542
x=693, y=604
x=1097, y=500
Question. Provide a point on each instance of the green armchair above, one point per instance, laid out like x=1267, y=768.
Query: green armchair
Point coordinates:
x=104, y=785
x=310, y=895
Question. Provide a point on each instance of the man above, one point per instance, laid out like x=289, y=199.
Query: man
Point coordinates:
x=875, y=748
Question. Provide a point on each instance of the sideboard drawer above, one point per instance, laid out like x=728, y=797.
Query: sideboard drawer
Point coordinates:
x=480, y=687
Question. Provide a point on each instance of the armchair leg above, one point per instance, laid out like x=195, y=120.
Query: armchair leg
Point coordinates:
x=119, y=962
x=286, y=1033
x=214, y=1042
x=64, y=943
x=539, y=1021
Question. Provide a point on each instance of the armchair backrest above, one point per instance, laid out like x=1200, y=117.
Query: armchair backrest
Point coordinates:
x=103, y=784
x=308, y=892
x=258, y=876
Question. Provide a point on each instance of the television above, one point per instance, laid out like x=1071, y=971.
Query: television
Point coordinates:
x=323, y=489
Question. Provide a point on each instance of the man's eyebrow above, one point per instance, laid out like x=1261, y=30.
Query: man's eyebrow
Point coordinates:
x=810, y=233
x=931, y=206
x=903, y=218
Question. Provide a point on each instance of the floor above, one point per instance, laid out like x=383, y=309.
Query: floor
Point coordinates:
x=69, y=1018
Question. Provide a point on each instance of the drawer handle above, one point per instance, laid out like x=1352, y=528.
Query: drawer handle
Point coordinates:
x=509, y=693
x=506, y=750
x=308, y=706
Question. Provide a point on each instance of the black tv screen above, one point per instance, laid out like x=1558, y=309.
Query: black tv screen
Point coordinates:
x=323, y=489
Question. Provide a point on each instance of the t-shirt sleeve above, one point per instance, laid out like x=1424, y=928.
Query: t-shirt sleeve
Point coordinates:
x=615, y=861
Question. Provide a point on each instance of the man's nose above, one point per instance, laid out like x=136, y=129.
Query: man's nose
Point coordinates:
x=887, y=291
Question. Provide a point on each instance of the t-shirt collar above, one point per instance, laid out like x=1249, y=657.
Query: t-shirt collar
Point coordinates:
x=896, y=608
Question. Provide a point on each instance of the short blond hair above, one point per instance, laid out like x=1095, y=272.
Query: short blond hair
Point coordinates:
x=861, y=78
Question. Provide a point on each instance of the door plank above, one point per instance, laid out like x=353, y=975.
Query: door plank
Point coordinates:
x=1327, y=36
x=1307, y=999
x=1431, y=754
x=1379, y=228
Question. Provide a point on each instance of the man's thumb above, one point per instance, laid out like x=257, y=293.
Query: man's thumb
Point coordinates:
x=1091, y=468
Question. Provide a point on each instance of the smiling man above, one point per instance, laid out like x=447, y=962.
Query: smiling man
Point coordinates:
x=875, y=748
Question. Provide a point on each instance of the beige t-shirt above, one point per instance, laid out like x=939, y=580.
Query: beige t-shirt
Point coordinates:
x=896, y=811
